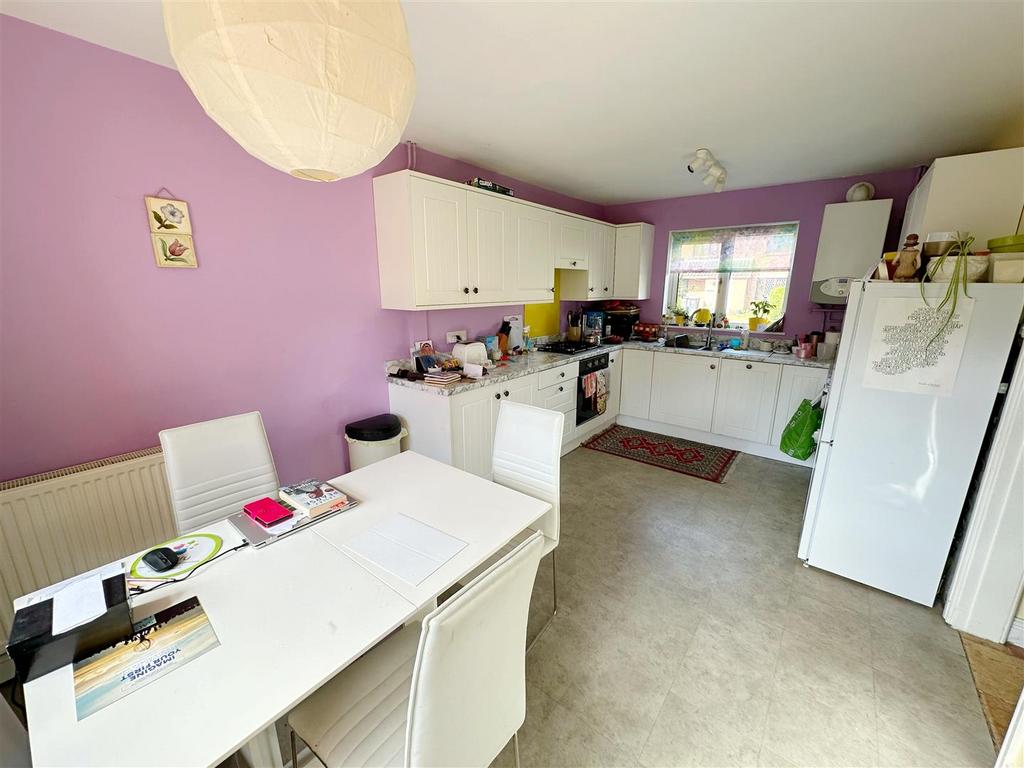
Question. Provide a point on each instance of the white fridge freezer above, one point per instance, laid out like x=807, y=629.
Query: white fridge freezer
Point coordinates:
x=897, y=452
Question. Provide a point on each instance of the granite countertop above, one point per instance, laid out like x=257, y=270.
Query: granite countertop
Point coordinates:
x=540, y=361
x=739, y=354
x=522, y=365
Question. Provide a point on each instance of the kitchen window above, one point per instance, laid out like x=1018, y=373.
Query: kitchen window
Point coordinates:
x=723, y=270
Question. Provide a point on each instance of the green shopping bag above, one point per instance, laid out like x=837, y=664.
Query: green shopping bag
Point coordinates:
x=798, y=436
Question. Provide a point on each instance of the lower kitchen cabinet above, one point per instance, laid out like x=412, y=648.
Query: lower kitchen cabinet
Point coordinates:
x=798, y=383
x=683, y=389
x=474, y=416
x=614, y=383
x=745, y=405
x=635, y=395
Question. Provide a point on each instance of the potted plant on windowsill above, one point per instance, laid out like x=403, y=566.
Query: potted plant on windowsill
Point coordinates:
x=682, y=317
x=759, y=313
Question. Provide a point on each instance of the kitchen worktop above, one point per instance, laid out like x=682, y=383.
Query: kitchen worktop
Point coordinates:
x=739, y=354
x=540, y=361
x=515, y=367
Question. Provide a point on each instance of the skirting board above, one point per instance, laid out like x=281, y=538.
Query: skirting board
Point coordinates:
x=1017, y=632
x=722, y=441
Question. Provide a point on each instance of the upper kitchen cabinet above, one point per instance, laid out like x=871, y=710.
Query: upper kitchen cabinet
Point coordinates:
x=444, y=244
x=572, y=242
x=533, y=264
x=981, y=193
x=597, y=282
x=634, y=251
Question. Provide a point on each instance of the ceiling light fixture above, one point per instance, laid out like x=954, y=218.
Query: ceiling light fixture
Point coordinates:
x=319, y=89
x=714, y=171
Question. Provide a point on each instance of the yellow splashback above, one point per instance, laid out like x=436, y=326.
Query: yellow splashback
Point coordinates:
x=544, y=319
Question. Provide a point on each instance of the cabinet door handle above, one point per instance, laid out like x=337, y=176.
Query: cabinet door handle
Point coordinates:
x=465, y=290
x=497, y=396
x=562, y=374
x=506, y=393
x=590, y=289
x=574, y=263
x=552, y=289
x=476, y=290
x=561, y=389
x=712, y=366
x=606, y=289
x=749, y=366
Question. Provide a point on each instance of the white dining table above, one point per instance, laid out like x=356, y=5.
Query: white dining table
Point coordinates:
x=289, y=616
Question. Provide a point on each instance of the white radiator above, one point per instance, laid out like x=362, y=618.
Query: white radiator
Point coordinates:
x=61, y=523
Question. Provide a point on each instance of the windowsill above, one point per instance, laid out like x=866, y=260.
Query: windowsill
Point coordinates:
x=737, y=331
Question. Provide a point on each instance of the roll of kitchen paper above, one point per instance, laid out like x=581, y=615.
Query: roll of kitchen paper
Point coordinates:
x=832, y=337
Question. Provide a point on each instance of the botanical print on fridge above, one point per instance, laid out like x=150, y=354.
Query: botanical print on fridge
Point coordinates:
x=914, y=349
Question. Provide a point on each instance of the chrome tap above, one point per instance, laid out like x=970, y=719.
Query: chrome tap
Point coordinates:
x=711, y=329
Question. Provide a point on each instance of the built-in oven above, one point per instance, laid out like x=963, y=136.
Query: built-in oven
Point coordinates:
x=592, y=388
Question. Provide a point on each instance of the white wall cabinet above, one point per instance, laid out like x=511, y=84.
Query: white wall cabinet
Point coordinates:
x=533, y=267
x=439, y=238
x=634, y=252
x=572, y=242
x=493, y=248
x=745, y=403
x=597, y=282
x=636, y=379
x=441, y=244
x=797, y=383
x=982, y=193
x=683, y=389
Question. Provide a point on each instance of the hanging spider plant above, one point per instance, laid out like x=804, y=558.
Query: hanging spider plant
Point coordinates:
x=959, y=251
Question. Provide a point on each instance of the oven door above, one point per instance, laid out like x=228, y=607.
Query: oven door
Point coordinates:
x=591, y=395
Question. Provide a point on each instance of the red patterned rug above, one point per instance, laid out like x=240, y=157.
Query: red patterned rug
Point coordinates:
x=695, y=459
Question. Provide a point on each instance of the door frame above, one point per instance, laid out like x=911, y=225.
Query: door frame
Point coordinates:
x=988, y=578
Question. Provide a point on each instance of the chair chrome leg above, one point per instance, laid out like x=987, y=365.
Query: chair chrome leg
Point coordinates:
x=515, y=747
x=554, y=609
x=295, y=752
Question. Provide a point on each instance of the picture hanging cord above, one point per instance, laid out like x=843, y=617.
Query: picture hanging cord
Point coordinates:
x=170, y=195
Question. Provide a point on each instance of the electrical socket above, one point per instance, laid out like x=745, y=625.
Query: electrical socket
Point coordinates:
x=454, y=337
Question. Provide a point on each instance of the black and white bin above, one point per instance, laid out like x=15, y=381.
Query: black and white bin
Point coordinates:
x=373, y=439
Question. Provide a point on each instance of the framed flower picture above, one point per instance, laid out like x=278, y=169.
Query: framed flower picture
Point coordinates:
x=174, y=250
x=171, y=229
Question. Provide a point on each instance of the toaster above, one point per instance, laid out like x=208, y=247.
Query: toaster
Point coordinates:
x=473, y=352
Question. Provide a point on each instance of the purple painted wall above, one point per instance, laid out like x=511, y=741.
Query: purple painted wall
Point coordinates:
x=804, y=202
x=99, y=350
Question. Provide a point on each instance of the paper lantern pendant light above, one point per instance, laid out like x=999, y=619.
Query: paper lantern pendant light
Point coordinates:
x=320, y=90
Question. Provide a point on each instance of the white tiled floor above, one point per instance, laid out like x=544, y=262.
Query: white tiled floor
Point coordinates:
x=689, y=634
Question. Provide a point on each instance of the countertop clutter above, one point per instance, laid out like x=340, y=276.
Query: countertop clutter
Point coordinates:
x=539, y=361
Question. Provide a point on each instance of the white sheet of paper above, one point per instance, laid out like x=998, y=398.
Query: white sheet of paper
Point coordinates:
x=81, y=599
x=103, y=572
x=409, y=549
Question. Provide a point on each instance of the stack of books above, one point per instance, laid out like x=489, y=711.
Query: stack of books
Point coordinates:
x=313, y=497
x=441, y=378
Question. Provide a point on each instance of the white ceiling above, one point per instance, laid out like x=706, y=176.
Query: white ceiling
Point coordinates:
x=606, y=101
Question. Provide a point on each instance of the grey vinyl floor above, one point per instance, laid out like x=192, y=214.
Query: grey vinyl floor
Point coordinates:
x=688, y=633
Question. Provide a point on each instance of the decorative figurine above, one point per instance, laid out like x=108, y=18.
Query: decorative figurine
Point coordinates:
x=907, y=261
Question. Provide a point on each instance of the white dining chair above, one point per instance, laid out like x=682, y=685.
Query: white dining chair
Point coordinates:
x=14, y=748
x=528, y=458
x=449, y=693
x=214, y=467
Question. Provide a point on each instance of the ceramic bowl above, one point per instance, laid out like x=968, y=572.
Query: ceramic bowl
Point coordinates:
x=977, y=269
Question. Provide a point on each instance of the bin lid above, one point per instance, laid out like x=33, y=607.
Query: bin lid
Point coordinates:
x=383, y=426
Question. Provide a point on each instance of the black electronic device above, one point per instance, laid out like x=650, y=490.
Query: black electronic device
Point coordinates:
x=161, y=559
